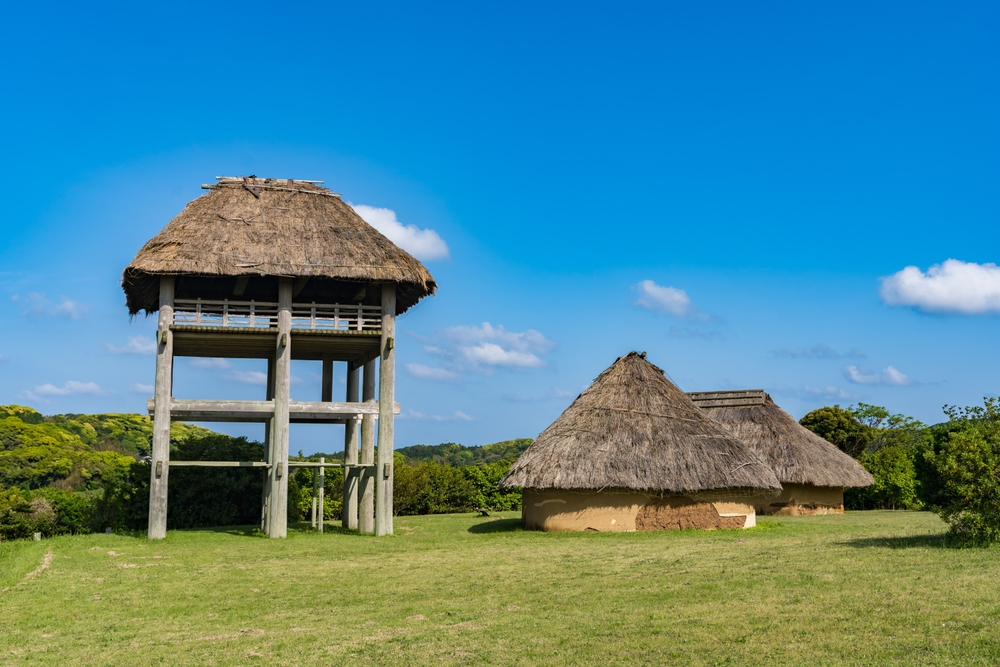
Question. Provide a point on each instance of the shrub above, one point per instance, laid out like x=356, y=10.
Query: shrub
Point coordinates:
x=430, y=488
x=46, y=511
x=895, y=481
x=485, y=479
x=968, y=463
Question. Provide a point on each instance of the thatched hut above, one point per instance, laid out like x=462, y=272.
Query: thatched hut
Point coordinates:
x=813, y=473
x=278, y=269
x=632, y=452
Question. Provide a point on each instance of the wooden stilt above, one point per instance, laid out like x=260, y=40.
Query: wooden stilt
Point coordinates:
x=161, y=413
x=326, y=387
x=387, y=379
x=366, y=480
x=315, y=497
x=268, y=454
x=278, y=507
x=322, y=493
x=351, y=436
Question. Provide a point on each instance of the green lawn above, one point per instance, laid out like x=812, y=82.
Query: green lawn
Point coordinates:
x=864, y=588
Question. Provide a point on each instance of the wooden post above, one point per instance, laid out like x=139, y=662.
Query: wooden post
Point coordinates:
x=326, y=388
x=351, y=437
x=322, y=491
x=268, y=454
x=161, y=413
x=366, y=481
x=277, y=525
x=386, y=382
x=315, y=495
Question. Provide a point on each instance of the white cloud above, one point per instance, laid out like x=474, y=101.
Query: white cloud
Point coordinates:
x=71, y=309
x=69, y=388
x=666, y=300
x=963, y=288
x=561, y=393
x=35, y=304
x=456, y=416
x=209, y=363
x=486, y=346
x=829, y=393
x=135, y=345
x=3, y=358
x=424, y=244
x=887, y=376
x=140, y=388
x=248, y=377
x=428, y=373
x=817, y=352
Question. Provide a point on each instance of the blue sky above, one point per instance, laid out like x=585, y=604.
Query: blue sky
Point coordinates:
x=738, y=190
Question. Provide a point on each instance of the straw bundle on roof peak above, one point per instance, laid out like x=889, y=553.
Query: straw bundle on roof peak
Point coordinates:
x=796, y=454
x=249, y=226
x=634, y=429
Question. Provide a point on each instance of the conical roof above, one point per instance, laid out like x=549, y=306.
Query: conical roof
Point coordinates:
x=634, y=429
x=268, y=227
x=796, y=454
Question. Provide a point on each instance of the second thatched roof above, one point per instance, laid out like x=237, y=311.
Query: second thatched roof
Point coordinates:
x=634, y=429
x=796, y=454
x=269, y=227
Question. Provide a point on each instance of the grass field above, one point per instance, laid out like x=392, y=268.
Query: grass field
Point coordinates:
x=864, y=588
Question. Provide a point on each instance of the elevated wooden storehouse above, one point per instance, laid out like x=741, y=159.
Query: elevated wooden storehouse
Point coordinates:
x=632, y=452
x=279, y=270
x=813, y=473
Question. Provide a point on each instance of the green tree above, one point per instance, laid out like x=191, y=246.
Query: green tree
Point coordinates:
x=968, y=463
x=839, y=427
x=895, y=481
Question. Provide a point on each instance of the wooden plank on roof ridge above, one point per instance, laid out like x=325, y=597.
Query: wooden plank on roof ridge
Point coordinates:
x=731, y=399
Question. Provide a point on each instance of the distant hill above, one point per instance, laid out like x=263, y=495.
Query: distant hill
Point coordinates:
x=453, y=454
x=73, y=451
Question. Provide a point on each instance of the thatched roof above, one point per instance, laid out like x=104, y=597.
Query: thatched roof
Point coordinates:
x=634, y=429
x=267, y=227
x=796, y=454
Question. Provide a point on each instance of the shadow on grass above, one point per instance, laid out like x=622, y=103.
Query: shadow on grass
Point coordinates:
x=300, y=527
x=906, y=542
x=498, y=526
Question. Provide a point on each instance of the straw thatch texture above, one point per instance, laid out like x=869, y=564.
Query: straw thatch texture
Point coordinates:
x=796, y=454
x=634, y=429
x=265, y=227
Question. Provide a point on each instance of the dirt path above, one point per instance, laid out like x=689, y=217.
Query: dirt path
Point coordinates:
x=46, y=561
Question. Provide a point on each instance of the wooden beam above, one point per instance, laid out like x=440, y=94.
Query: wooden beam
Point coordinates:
x=366, y=482
x=386, y=390
x=220, y=464
x=258, y=411
x=278, y=515
x=160, y=468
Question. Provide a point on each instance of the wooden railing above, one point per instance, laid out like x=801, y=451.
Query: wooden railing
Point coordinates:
x=264, y=315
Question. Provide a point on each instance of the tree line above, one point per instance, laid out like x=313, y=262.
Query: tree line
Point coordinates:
x=951, y=468
x=80, y=473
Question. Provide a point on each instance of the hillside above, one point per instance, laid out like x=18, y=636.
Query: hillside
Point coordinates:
x=453, y=454
x=73, y=452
